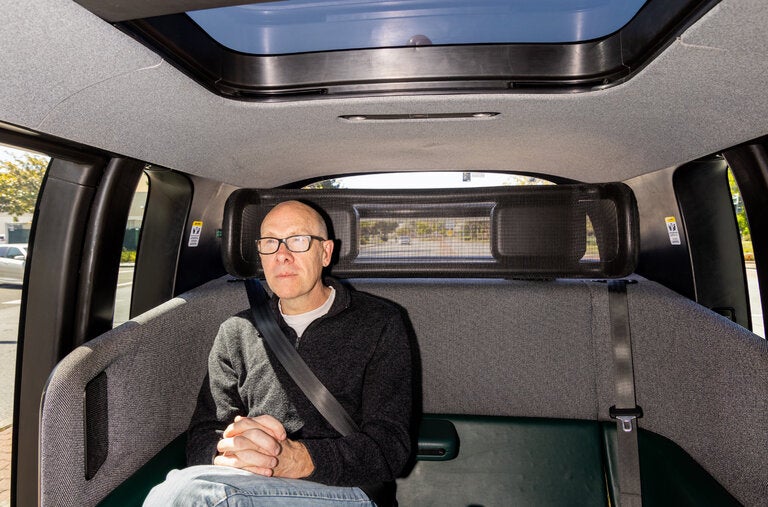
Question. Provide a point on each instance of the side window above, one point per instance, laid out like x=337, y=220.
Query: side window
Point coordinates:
x=21, y=174
x=124, y=290
x=755, y=303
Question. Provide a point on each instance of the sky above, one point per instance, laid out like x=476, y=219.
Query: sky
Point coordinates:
x=445, y=179
x=8, y=153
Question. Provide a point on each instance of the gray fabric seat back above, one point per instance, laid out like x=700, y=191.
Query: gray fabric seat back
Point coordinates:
x=152, y=368
x=543, y=349
x=487, y=347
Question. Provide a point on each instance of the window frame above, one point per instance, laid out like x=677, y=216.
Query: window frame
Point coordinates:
x=509, y=68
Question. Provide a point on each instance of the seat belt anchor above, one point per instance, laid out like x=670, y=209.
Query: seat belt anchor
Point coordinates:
x=626, y=416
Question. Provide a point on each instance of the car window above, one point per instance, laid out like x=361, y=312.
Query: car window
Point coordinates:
x=430, y=235
x=271, y=27
x=13, y=252
x=274, y=50
x=750, y=268
x=124, y=291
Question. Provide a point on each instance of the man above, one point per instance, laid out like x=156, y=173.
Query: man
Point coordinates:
x=264, y=439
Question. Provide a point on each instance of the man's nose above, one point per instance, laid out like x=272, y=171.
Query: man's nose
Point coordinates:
x=283, y=252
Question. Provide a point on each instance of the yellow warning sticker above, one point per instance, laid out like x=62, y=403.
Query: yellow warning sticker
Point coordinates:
x=194, y=235
x=672, y=230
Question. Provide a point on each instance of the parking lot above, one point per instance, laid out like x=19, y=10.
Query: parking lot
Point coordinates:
x=10, y=302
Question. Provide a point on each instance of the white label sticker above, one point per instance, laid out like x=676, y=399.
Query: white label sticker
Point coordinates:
x=194, y=235
x=674, y=233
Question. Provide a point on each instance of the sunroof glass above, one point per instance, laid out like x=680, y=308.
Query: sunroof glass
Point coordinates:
x=300, y=26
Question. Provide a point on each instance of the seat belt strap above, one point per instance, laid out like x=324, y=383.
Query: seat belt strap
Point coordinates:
x=328, y=406
x=625, y=411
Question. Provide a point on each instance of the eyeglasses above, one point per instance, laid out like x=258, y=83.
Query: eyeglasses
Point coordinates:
x=296, y=244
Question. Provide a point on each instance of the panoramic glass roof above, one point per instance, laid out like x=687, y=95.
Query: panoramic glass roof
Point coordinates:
x=300, y=26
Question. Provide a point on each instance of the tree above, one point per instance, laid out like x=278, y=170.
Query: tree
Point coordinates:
x=380, y=229
x=741, y=214
x=20, y=181
x=332, y=183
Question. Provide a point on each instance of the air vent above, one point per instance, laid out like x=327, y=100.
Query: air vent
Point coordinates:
x=480, y=115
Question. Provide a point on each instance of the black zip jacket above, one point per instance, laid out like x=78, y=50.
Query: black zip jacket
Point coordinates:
x=359, y=350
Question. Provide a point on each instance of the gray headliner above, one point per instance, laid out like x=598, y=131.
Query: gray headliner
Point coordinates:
x=77, y=77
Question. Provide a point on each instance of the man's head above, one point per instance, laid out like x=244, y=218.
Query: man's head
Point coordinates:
x=296, y=277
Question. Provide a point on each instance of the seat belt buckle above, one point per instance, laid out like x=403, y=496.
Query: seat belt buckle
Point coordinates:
x=626, y=416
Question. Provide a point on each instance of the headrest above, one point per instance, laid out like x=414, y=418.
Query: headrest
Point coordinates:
x=551, y=231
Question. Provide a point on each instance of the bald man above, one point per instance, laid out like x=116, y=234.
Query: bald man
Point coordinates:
x=254, y=436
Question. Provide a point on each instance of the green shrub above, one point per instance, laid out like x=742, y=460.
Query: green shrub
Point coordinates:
x=746, y=248
x=128, y=256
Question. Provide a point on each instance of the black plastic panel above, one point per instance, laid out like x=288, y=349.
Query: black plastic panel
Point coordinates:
x=120, y=10
x=533, y=232
x=48, y=304
x=200, y=261
x=713, y=238
x=438, y=440
x=750, y=168
x=660, y=260
x=162, y=229
x=102, y=245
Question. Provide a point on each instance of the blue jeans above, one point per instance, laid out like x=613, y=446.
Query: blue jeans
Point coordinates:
x=219, y=486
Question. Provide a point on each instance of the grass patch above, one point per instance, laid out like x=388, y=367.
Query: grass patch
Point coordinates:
x=746, y=248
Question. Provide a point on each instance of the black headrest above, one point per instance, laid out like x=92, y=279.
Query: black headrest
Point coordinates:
x=552, y=231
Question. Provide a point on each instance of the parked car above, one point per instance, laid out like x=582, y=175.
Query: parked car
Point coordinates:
x=637, y=113
x=13, y=259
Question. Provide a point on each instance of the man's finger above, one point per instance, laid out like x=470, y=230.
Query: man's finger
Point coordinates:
x=234, y=462
x=266, y=472
x=247, y=457
x=274, y=426
x=265, y=423
x=254, y=440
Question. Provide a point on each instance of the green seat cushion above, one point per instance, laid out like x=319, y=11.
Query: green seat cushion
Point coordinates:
x=513, y=461
x=135, y=489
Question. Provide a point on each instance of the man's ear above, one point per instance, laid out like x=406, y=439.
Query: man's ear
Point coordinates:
x=327, y=252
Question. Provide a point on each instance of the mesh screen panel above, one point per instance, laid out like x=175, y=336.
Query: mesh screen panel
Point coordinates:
x=575, y=231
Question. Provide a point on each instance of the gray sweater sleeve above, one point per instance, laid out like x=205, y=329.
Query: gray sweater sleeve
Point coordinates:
x=240, y=381
x=217, y=404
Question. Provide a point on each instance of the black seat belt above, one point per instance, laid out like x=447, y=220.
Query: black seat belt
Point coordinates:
x=289, y=357
x=625, y=411
x=382, y=494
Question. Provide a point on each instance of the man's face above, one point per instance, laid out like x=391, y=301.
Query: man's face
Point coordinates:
x=296, y=277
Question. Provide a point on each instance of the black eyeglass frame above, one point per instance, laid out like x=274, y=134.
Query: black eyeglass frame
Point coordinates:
x=285, y=242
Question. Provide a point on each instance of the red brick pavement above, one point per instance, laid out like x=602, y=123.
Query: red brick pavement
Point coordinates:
x=5, y=467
